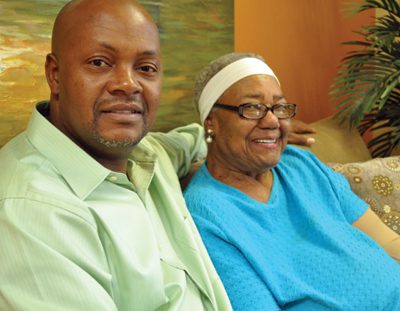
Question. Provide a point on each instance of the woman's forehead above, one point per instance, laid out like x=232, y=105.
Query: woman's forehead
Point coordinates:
x=255, y=87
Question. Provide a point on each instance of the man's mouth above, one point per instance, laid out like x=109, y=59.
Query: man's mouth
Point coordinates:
x=123, y=111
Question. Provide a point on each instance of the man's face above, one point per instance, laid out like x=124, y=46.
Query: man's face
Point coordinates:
x=109, y=79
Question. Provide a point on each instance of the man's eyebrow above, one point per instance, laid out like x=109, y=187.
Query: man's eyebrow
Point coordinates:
x=144, y=53
x=150, y=53
x=107, y=46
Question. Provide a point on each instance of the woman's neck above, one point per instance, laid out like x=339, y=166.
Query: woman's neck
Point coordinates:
x=257, y=185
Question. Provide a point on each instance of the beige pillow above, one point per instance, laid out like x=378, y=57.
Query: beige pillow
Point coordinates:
x=377, y=182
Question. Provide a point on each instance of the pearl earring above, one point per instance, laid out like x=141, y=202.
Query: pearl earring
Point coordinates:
x=209, y=137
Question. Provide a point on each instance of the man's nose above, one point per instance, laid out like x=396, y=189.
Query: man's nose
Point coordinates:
x=125, y=81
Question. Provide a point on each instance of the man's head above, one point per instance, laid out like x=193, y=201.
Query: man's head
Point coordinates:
x=104, y=74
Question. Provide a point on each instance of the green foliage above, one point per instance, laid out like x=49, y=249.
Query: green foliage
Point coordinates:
x=367, y=86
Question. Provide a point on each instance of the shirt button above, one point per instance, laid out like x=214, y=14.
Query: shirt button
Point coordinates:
x=112, y=178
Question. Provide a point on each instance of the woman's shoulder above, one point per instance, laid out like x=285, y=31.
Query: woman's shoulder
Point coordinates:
x=302, y=164
x=204, y=191
x=296, y=155
x=201, y=186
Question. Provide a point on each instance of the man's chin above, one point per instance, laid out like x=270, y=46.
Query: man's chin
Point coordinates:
x=117, y=144
x=120, y=141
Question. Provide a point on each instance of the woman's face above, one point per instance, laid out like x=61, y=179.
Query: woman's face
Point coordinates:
x=248, y=146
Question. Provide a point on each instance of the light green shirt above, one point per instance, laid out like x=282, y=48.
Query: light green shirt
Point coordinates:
x=76, y=236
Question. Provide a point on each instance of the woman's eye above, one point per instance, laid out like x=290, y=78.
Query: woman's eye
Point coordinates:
x=98, y=63
x=256, y=106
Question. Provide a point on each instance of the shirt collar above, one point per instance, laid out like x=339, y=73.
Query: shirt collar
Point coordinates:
x=81, y=171
x=141, y=172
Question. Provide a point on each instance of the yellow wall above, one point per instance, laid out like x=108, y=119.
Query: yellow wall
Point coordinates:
x=300, y=40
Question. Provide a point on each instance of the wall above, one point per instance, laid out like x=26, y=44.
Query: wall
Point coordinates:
x=300, y=40
x=191, y=32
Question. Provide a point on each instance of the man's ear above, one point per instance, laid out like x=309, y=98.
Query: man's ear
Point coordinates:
x=52, y=72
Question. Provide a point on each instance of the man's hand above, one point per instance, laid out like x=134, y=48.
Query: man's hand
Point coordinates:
x=298, y=132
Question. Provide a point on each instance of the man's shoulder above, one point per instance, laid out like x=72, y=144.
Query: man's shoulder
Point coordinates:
x=183, y=144
x=28, y=175
x=16, y=161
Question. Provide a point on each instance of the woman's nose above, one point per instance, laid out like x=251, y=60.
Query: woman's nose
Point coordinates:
x=270, y=120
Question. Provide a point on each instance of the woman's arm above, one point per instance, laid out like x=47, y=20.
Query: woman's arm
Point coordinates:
x=372, y=225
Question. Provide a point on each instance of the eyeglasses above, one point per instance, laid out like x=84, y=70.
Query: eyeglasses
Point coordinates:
x=258, y=110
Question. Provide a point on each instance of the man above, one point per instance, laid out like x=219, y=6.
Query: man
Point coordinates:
x=91, y=215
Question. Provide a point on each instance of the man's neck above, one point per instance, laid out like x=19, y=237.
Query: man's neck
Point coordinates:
x=115, y=165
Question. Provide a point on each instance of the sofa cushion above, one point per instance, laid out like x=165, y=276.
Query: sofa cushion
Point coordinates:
x=377, y=182
x=337, y=143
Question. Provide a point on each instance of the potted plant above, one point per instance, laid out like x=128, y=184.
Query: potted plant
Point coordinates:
x=367, y=86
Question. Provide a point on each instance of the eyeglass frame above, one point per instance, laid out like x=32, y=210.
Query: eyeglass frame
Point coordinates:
x=239, y=109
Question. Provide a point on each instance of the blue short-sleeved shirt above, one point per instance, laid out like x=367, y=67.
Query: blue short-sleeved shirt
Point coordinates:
x=298, y=251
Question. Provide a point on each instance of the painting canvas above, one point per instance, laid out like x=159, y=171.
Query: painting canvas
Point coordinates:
x=193, y=32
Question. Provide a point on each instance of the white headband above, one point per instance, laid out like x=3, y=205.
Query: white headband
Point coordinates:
x=232, y=73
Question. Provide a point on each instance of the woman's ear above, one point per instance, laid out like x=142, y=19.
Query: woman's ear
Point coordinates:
x=208, y=122
x=52, y=71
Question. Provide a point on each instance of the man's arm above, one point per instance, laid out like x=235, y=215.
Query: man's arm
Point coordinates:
x=298, y=133
x=51, y=259
x=183, y=145
x=372, y=225
x=186, y=144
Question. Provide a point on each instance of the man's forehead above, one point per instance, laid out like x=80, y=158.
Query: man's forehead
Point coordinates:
x=131, y=31
x=130, y=23
x=113, y=17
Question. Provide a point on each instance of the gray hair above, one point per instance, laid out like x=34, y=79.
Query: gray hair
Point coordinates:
x=212, y=68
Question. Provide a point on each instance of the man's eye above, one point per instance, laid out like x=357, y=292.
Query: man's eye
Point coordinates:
x=148, y=68
x=98, y=63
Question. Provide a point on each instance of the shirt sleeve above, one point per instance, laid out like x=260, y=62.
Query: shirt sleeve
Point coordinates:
x=350, y=205
x=50, y=259
x=183, y=145
x=245, y=289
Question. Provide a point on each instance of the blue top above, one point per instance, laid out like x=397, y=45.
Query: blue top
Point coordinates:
x=299, y=250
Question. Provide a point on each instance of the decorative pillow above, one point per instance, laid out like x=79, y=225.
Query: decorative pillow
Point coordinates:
x=377, y=182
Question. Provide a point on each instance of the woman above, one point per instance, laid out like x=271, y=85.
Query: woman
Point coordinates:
x=282, y=229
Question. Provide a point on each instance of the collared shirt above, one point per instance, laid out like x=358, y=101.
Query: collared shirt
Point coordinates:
x=76, y=236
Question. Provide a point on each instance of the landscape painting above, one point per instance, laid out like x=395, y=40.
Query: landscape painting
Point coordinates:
x=193, y=32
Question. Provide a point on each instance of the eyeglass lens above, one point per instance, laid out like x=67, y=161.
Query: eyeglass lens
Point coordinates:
x=258, y=111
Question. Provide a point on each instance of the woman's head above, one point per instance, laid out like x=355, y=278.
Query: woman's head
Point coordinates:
x=234, y=95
